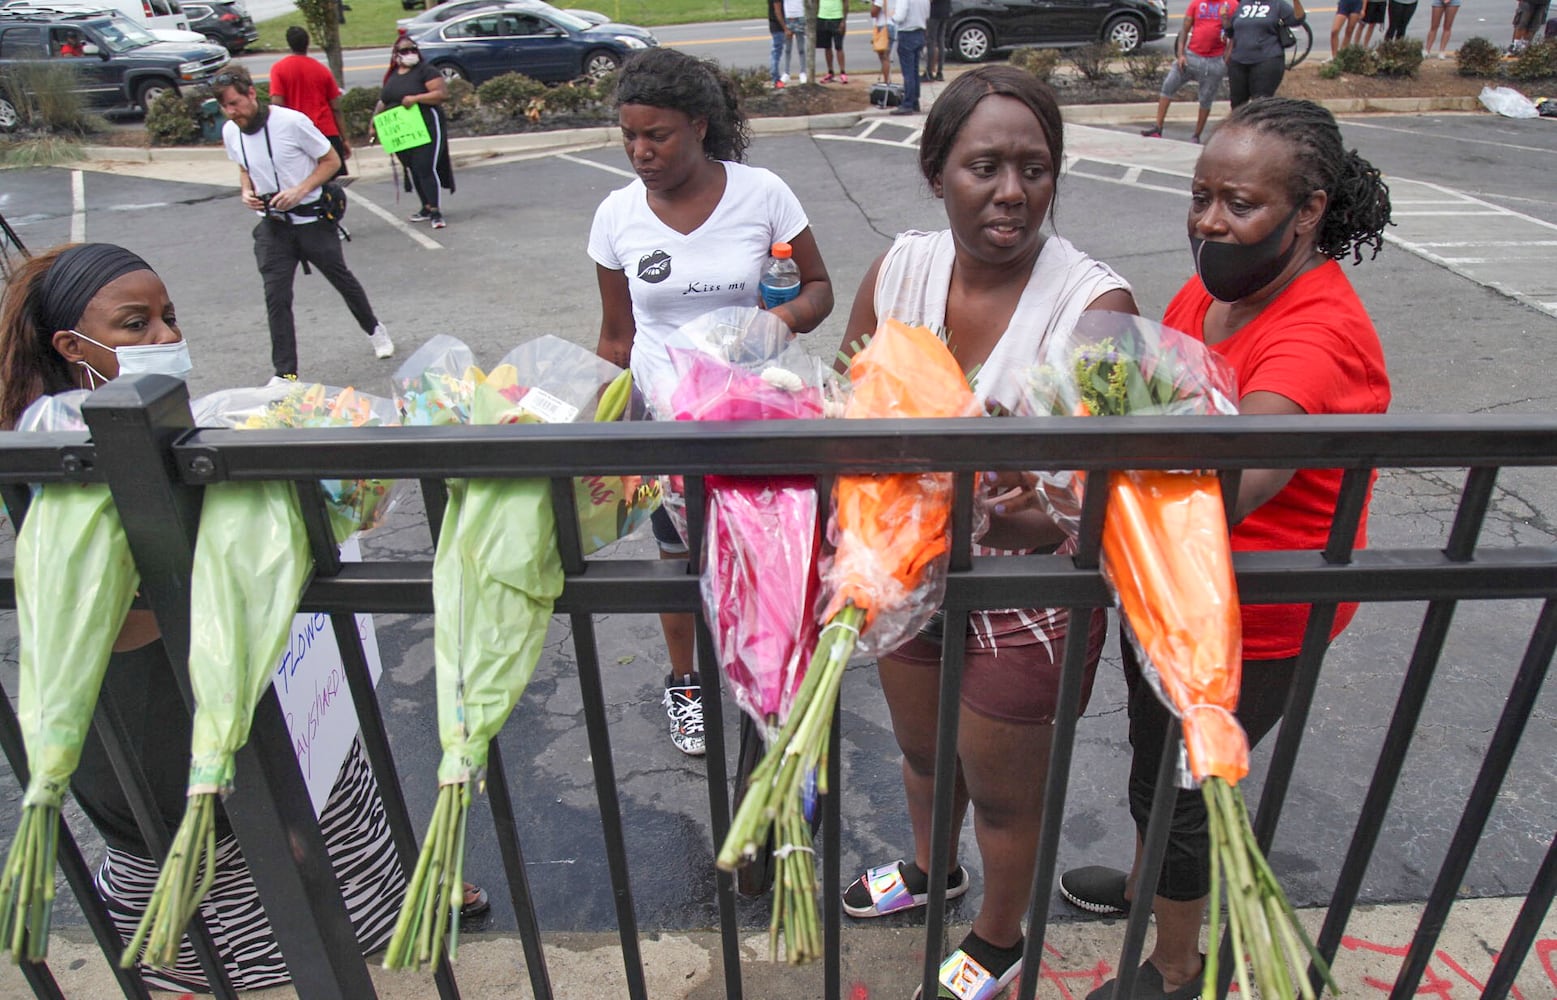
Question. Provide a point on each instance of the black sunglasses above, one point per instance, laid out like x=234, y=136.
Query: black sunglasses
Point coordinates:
x=230, y=80
x=401, y=52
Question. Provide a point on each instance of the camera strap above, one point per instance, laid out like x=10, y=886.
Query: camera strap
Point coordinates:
x=275, y=171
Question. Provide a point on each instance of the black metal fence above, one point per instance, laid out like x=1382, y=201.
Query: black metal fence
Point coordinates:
x=143, y=445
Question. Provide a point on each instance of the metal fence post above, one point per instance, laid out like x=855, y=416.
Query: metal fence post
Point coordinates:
x=134, y=421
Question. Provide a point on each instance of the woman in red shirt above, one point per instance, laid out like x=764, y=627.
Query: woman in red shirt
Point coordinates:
x=1276, y=202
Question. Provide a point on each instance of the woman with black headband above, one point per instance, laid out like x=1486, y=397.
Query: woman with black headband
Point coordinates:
x=73, y=318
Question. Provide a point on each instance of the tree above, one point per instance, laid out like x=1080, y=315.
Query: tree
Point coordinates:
x=324, y=25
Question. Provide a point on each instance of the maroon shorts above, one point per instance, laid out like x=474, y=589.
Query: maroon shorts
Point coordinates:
x=1010, y=673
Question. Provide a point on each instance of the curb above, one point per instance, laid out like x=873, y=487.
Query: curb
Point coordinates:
x=535, y=143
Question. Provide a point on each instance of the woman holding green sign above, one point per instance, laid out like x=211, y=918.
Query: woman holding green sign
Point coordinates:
x=415, y=85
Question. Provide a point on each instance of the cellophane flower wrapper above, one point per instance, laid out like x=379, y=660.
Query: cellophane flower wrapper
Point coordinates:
x=1166, y=553
x=759, y=579
x=891, y=534
x=353, y=504
x=75, y=580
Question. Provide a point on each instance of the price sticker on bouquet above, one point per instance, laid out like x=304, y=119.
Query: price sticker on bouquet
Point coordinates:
x=401, y=128
x=548, y=408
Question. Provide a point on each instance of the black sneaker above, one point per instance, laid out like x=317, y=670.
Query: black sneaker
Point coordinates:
x=683, y=703
x=1149, y=986
x=421, y=216
x=1096, y=889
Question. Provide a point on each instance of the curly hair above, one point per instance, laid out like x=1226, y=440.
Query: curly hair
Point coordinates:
x=29, y=365
x=698, y=88
x=1358, y=208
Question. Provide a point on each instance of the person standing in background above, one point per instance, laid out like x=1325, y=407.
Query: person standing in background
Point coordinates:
x=1256, y=62
x=794, y=36
x=1347, y=14
x=910, y=17
x=883, y=36
x=305, y=84
x=935, y=40
x=778, y=33
x=1400, y=12
x=1529, y=16
x=1201, y=52
x=411, y=83
x=1442, y=11
x=1372, y=17
x=831, y=21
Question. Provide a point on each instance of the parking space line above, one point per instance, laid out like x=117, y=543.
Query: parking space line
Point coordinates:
x=1353, y=123
x=427, y=242
x=77, y=207
x=904, y=144
x=618, y=171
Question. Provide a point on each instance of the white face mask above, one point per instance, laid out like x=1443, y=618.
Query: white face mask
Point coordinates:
x=410, y=59
x=141, y=359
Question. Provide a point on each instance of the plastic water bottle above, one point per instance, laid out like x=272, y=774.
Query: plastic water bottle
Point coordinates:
x=781, y=279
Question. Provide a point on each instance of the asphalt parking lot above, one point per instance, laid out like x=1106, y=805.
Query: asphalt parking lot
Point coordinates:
x=512, y=266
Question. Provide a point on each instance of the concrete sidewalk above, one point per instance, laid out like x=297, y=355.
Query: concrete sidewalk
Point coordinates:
x=884, y=961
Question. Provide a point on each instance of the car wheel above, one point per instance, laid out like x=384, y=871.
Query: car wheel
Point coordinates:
x=600, y=63
x=1126, y=32
x=9, y=119
x=450, y=72
x=972, y=42
x=149, y=91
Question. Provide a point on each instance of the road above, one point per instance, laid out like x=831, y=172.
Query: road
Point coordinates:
x=746, y=43
x=512, y=266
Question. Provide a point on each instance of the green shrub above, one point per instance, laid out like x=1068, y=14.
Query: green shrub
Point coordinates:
x=1329, y=71
x=1092, y=61
x=357, y=110
x=174, y=118
x=1479, y=57
x=1535, y=61
x=1147, y=68
x=462, y=99
x=566, y=97
x=39, y=150
x=1039, y=62
x=1398, y=57
x=1358, y=61
x=262, y=93
x=46, y=100
x=510, y=94
x=605, y=87
x=753, y=81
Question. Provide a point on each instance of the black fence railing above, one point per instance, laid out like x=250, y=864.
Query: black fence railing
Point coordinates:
x=144, y=446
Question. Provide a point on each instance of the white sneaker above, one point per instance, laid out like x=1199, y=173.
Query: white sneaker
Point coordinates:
x=784, y=78
x=802, y=78
x=383, y=347
x=281, y=381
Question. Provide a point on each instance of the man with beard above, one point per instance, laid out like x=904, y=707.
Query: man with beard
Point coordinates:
x=283, y=160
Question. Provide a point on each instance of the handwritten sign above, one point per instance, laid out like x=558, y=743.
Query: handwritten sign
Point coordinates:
x=310, y=683
x=401, y=128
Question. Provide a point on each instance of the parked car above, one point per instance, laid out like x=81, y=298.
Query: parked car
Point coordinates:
x=978, y=27
x=547, y=45
x=222, y=23
x=452, y=8
x=123, y=65
x=153, y=15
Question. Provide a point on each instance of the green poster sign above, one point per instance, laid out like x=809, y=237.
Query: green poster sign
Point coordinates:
x=401, y=128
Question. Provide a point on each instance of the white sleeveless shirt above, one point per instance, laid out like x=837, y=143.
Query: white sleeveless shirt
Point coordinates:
x=916, y=274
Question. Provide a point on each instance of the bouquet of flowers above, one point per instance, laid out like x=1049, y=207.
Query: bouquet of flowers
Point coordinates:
x=74, y=583
x=1167, y=557
x=251, y=562
x=759, y=579
x=496, y=575
x=891, y=535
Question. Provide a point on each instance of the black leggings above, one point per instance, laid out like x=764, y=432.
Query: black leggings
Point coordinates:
x=1399, y=17
x=421, y=163
x=1186, y=871
x=1246, y=80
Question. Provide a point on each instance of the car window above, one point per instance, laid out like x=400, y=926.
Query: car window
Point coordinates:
x=522, y=24
x=120, y=35
x=485, y=26
x=22, y=43
x=445, y=11
x=569, y=21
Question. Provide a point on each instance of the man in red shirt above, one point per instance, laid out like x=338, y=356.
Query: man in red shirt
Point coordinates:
x=304, y=84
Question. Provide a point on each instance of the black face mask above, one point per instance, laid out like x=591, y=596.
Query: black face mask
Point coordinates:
x=1233, y=271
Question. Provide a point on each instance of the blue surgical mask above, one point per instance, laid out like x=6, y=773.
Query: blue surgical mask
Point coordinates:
x=142, y=359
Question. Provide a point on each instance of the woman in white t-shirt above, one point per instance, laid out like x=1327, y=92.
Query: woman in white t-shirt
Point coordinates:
x=690, y=235
x=991, y=150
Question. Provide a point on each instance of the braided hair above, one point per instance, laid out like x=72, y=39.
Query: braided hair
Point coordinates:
x=669, y=78
x=1358, y=207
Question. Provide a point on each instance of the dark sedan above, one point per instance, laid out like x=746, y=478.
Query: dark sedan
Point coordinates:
x=551, y=46
x=978, y=27
x=222, y=23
